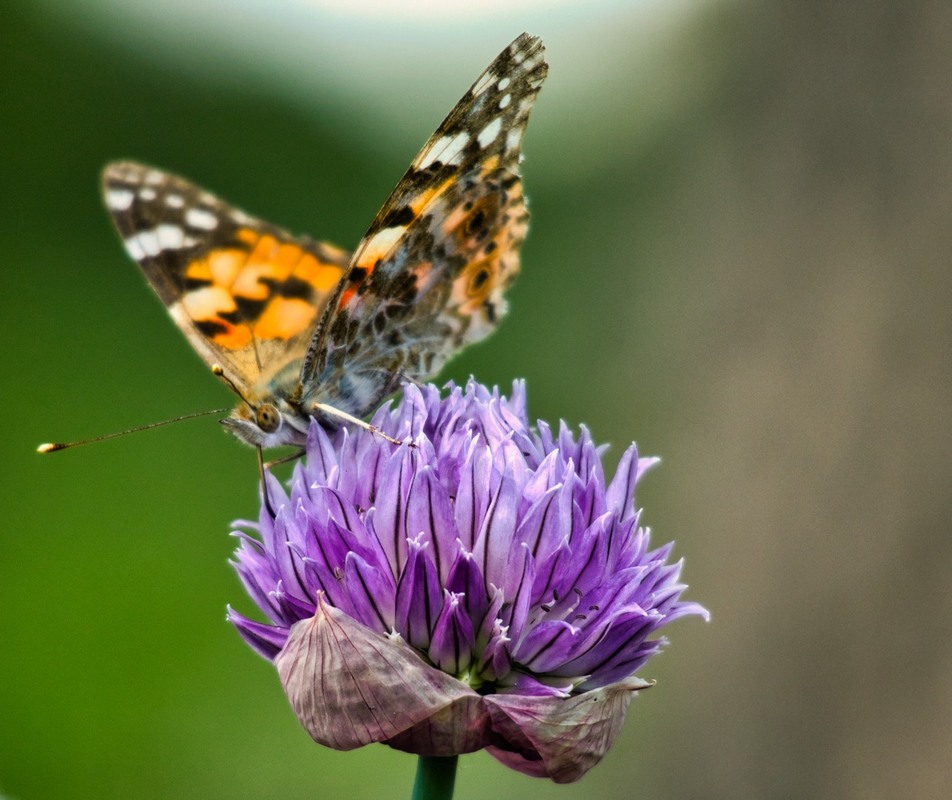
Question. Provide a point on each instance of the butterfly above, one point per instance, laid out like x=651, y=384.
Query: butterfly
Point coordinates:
x=302, y=329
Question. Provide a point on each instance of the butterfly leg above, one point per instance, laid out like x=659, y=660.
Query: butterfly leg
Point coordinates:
x=284, y=459
x=403, y=377
x=262, y=467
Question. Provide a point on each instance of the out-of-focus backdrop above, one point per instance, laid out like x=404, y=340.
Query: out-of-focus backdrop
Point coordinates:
x=740, y=256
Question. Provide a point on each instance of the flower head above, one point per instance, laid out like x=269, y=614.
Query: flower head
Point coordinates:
x=480, y=585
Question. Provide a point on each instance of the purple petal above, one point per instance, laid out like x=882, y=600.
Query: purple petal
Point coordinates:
x=419, y=596
x=466, y=580
x=494, y=543
x=370, y=458
x=390, y=509
x=372, y=593
x=264, y=639
x=545, y=647
x=321, y=455
x=430, y=512
x=620, y=496
x=472, y=498
x=492, y=642
x=627, y=631
x=453, y=637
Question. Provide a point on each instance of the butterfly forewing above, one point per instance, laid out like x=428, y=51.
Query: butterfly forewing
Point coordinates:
x=296, y=323
x=247, y=294
x=428, y=277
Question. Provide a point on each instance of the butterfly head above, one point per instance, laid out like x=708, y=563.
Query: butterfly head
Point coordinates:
x=263, y=422
x=266, y=424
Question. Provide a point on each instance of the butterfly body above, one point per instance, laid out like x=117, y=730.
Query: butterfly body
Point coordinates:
x=297, y=326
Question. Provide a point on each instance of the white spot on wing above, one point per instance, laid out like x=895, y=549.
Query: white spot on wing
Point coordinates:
x=200, y=218
x=488, y=134
x=135, y=249
x=433, y=153
x=506, y=100
x=205, y=302
x=119, y=199
x=174, y=201
x=149, y=242
x=484, y=81
x=147, y=194
x=446, y=149
x=380, y=244
x=454, y=151
x=169, y=237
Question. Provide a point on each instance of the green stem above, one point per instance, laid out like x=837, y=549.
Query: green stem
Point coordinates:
x=435, y=777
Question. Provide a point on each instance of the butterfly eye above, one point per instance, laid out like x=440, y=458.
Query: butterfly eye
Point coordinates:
x=268, y=418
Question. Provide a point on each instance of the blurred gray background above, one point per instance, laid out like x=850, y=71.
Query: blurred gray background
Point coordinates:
x=739, y=257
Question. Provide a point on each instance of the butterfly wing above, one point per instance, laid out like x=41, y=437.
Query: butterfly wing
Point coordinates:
x=429, y=275
x=247, y=294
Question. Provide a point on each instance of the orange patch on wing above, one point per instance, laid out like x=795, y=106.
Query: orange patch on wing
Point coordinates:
x=284, y=318
x=250, y=274
x=265, y=252
x=287, y=258
x=426, y=197
x=323, y=277
x=248, y=283
x=273, y=260
x=206, y=305
x=233, y=337
x=475, y=283
x=469, y=228
x=248, y=236
x=225, y=265
x=346, y=296
x=218, y=266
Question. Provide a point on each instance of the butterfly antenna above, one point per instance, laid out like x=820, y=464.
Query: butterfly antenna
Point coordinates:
x=52, y=447
x=219, y=372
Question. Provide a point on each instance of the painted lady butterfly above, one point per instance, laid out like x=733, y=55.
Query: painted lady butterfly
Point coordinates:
x=302, y=329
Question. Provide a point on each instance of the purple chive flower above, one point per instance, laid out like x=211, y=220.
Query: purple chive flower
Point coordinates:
x=484, y=587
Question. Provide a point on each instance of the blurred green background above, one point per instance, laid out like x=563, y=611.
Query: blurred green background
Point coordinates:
x=740, y=256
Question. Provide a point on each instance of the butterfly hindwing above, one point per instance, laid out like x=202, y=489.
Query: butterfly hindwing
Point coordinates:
x=429, y=275
x=247, y=294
